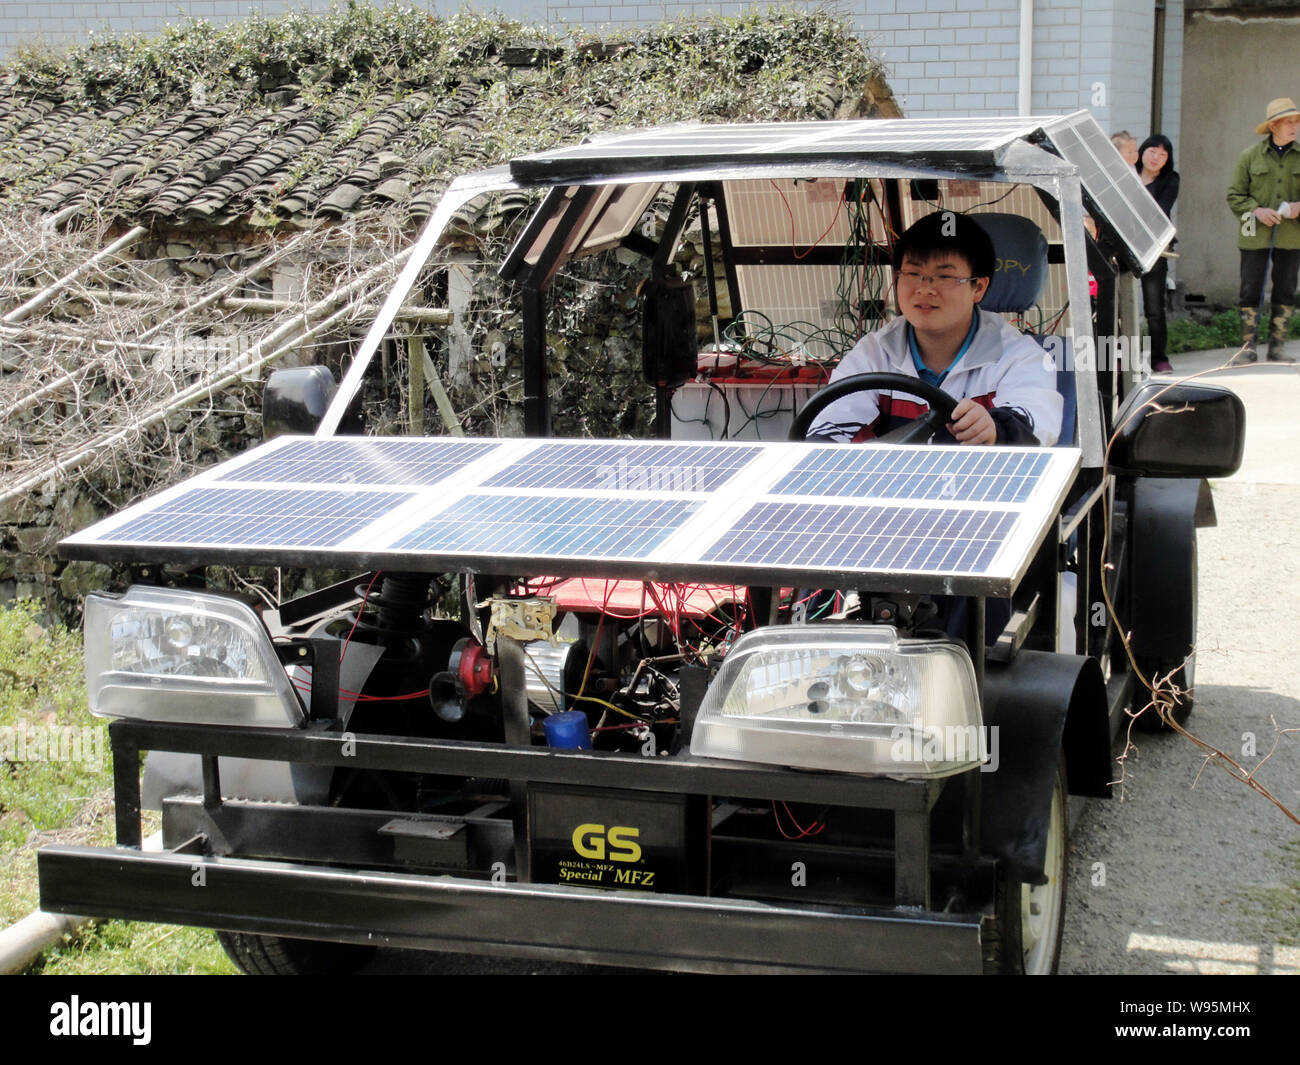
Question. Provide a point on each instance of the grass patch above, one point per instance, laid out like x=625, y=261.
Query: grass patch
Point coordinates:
x=1222, y=331
x=56, y=787
x=1278, y=904
x=134, y=949
x=55, y=777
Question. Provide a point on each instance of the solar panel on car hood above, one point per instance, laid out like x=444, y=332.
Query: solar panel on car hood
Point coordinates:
x=938, y=519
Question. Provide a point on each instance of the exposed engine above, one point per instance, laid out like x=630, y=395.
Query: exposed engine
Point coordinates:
x=614, y=652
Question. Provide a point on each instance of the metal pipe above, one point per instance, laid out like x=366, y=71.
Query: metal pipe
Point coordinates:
x=459, y=193
x=1025, y=70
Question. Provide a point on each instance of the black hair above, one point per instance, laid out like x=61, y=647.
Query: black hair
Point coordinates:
x=1154, y=141
x=948, y=231
x=1164, y=186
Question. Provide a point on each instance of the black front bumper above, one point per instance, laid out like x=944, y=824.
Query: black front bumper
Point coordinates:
x=516, y=920
x=210, y=880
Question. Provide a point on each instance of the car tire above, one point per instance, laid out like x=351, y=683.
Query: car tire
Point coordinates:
x=1024, y=935
x=1181, y=673
x=259, y=955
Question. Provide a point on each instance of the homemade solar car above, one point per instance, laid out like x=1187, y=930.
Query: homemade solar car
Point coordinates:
x=714, y=701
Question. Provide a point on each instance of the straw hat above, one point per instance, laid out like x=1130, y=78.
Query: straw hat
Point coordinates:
x=1279, y=108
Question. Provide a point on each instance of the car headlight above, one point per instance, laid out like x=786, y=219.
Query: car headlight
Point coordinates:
x=160, y=654
x=853, y=698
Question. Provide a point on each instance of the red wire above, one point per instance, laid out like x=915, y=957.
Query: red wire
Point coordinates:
x=358, y=696
x=591, y=655
x=364, y=600
x=835, y=216
x=815, y=829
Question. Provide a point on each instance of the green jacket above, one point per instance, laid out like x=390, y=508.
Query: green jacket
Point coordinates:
x=1263, y=180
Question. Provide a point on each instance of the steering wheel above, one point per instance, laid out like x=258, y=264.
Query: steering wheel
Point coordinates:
x=937, y=417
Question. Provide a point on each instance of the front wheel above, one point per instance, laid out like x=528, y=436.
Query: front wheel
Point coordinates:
x=259, y=955
x=1024, y=937
x=1177, y=677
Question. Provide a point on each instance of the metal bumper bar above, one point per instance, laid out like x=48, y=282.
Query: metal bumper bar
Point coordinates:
x=512, y=920
x=679, y=774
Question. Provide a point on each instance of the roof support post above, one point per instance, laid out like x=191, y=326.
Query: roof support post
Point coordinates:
x=537, y=401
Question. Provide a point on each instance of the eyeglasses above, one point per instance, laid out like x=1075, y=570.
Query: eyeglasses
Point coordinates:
x=943, y=282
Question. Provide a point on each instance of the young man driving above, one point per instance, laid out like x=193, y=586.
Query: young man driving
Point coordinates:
x=1004, y=385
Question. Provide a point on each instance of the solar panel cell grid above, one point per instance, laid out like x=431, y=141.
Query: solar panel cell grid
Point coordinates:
x=259, y=516
x=556, y=527
x=941, y=473
x=1113, y=185
x=365, y=461
x=864, y=537
x=625, y=467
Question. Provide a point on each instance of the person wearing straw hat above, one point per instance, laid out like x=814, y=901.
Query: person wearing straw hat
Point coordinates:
x=1265, y=197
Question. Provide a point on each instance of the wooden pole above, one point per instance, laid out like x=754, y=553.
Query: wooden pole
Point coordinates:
x=423, y=315
x=49, y=292
x=440, y=398
x=415, y=374
x=287, y=336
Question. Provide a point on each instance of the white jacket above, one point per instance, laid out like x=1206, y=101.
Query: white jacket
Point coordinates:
x=1002, y=370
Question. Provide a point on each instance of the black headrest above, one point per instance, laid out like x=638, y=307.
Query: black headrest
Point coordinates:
x=1021, y=268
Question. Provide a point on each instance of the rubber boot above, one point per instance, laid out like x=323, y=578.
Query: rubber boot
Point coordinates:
x=1249, y=332
x=1277, y=328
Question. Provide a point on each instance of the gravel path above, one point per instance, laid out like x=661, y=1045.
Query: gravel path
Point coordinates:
x=1188, y=875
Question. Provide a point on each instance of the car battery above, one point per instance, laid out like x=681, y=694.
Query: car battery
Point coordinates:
x=602, y=838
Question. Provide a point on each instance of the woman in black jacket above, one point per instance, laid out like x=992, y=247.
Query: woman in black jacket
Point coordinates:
x=1155, y=166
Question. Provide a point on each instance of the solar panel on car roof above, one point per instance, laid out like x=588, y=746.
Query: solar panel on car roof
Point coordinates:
x=1114, y=186
x=977, y=140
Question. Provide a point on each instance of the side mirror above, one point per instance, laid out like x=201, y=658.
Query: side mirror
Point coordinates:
x=1185, y=429
x=295, y=400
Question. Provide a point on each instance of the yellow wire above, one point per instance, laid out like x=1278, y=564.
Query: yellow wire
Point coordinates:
x=616, y=709
x=580, y=698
